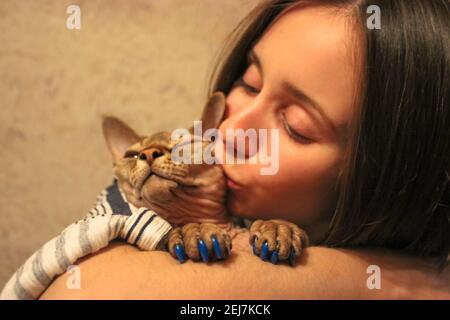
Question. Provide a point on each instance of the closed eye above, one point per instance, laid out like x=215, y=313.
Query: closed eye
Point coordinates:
x=294, y=134
x=250, y=89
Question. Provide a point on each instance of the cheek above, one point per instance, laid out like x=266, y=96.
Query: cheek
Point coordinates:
x=301, y=165
x=126, y=170
x=311, y=167
x=312, y=162
x=157, y=190
x=306, y=180
x=122, y=170
x=301, y=191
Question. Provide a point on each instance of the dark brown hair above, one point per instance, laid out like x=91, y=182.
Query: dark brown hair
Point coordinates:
x=394, y=189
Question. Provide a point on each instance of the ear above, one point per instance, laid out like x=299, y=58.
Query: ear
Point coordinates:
x=213, y=111
x=118, y=135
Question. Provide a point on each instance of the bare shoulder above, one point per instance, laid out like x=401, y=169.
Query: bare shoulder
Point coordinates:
x=124, y=272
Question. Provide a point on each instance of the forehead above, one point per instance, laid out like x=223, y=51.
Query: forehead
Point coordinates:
x=314, y=49
x=162, y=137
x=159, y=139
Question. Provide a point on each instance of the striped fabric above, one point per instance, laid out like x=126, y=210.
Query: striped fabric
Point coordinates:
x=111, y=218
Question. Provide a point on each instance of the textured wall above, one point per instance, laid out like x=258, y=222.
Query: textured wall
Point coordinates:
x=145, y=61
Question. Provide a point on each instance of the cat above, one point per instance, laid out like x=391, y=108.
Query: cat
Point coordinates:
x=180, y=193
x=190, y=196
x=156, y=203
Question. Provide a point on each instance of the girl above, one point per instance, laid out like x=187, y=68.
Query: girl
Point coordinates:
x=364, y=155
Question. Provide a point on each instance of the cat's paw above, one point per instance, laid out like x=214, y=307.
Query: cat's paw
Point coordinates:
x=277, y=240
x=199, y=242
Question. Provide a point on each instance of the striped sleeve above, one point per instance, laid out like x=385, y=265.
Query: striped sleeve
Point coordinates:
x=112, y=217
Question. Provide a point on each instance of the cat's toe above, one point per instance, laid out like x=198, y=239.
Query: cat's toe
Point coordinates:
x=217, y=240
x=191, y=238
x=263, y=237
x=199, y=242
x=206, y=242
x=277, y=240
x=175, y=245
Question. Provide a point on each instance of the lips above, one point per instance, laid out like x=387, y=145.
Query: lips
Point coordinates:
x=231, y=183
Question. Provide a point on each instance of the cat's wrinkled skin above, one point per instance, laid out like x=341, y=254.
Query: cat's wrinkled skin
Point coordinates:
x=180, y=193
x=189, y=196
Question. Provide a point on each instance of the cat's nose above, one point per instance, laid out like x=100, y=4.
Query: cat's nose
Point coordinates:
x=150, y=154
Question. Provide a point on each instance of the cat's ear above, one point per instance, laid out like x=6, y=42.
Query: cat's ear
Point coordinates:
x=213, y=111
x=118, y=135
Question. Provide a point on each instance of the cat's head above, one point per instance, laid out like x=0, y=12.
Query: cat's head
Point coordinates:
x=146, y=172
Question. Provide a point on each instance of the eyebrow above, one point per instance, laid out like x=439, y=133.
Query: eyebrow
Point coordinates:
x=298, y=94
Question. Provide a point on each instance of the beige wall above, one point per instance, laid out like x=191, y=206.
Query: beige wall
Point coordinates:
x=145, y=61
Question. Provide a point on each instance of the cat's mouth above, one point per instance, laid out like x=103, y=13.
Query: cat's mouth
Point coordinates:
x=171, y=175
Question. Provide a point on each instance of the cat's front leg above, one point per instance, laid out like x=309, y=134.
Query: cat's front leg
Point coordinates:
x=277, y=240
x=199, y=242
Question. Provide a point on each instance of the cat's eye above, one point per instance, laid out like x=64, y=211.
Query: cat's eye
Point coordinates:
x=131, y=154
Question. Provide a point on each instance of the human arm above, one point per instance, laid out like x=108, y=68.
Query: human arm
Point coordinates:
x=123, y=272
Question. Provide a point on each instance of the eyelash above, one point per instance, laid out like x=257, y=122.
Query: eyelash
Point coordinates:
x=241, y=83
x=295, y=135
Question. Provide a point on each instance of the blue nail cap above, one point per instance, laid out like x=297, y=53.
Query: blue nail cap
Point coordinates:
x=203, y=250
x=274, y=257
x=265, y=251
x=216, y=247
x=292, y=257
x=179, y=251
x=254, y=247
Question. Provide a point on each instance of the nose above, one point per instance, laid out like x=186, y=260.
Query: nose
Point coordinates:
x=252, y=116
x=150, y=154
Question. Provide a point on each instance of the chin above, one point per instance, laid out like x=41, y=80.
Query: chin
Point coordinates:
x=239, y=207
x=157, y=190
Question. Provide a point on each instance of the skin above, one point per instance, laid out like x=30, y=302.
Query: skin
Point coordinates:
x=181, y=193
x=320, y=273
x=309, y=48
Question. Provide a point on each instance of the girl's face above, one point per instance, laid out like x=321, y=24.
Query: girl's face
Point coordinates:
x=301, y=80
